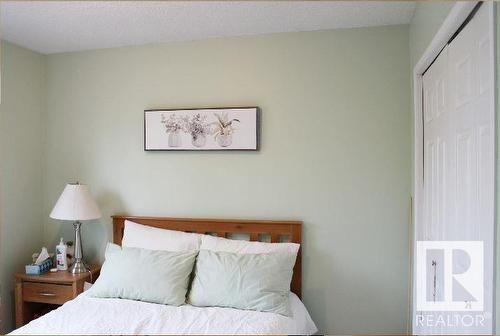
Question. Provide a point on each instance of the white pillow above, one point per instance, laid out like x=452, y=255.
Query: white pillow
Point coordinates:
x=151, y=238
x=218, y=244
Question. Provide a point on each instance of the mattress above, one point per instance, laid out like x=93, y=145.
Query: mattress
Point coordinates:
x=87, y=315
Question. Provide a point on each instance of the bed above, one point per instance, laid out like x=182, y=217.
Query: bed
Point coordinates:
x=89, y=315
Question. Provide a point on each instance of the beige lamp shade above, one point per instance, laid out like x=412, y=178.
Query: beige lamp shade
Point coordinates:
x=75, y=203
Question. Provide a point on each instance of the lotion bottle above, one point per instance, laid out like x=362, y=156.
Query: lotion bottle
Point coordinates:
x=61, y=260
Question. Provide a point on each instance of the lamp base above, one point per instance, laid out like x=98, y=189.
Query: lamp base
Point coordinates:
x=78, y=267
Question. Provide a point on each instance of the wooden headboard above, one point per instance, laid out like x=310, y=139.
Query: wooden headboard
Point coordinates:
x=276, y=230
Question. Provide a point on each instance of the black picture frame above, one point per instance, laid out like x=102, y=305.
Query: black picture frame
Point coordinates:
x=198, y=110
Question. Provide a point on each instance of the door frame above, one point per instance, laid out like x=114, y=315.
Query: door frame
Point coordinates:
x=451, y=24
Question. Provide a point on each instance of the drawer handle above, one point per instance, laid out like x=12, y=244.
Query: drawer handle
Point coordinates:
x=46, y=294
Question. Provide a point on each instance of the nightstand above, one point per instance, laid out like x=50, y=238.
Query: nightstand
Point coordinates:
x=39, y=294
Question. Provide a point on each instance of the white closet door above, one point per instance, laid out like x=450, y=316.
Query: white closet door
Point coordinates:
x=458, y=201
x=438, y=149
x=438, y=174
x=471, y=75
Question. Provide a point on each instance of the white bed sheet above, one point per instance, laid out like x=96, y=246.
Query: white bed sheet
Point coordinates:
x=87, y=315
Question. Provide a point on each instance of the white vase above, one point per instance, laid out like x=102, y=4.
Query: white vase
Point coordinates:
x=225, y=140
x=198, y=140
x=174, y=139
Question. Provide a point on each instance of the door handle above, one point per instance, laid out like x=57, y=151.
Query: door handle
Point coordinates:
x=434, y=264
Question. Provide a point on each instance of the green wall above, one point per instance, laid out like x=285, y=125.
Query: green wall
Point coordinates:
x=335, y=143
x=21, y=147
x=426, y=21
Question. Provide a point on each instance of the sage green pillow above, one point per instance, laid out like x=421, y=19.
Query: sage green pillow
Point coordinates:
x=144, y=275
x=245, y=281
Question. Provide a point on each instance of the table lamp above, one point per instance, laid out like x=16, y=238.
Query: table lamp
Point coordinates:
x=76, y=204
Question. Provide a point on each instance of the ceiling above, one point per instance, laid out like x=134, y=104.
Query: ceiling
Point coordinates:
x=61, y=26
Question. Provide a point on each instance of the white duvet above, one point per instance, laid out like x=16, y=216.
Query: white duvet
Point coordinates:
x=87, y=315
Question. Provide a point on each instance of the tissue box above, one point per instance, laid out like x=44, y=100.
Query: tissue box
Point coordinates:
x=33, y=269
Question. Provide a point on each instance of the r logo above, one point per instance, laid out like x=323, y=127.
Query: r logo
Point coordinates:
x=471, y=280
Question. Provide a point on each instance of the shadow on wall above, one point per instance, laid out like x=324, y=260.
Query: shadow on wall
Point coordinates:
x=315, y=293
x=12, y=303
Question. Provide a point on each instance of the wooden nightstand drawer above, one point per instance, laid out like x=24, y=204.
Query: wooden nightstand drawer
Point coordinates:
x=46, y=293
x=38, y=294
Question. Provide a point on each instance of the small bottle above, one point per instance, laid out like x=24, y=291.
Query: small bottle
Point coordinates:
x=61, y=260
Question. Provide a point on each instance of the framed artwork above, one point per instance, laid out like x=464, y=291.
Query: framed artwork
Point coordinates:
x=229, y=128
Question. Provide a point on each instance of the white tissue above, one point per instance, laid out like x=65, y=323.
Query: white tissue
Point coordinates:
x=44, y=254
